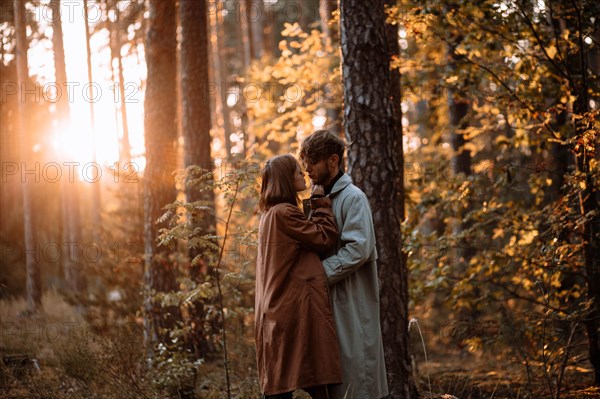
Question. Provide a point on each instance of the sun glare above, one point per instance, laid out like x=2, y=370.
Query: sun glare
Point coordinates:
x=80, y=141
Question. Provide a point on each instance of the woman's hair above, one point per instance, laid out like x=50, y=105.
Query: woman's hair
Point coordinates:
x=278, y=182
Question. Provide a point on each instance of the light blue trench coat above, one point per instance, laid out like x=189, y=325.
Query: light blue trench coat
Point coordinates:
x=352, y=275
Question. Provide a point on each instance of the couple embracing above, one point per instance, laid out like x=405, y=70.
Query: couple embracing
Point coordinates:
x=317, y=293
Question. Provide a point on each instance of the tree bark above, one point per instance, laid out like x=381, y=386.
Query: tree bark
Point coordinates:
x=161, y=160
x=372, y=127
x=196, y=133
x=33, y=275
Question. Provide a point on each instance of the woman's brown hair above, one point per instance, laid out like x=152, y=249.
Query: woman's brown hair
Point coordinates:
x=278, y=182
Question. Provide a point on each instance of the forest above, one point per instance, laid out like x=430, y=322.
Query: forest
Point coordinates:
x=132, y=138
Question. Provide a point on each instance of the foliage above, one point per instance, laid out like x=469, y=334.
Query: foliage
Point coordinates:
x=228, y=280
x=521, y=253
x=289, y=95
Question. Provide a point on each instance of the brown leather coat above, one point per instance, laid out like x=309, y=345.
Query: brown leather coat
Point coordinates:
x=296, y=341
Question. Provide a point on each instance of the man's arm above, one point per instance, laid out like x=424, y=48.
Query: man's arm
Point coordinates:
x=357, y=237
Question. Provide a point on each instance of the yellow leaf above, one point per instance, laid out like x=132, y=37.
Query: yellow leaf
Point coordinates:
x=498, y=233
x=551, y=51
x=527, y=237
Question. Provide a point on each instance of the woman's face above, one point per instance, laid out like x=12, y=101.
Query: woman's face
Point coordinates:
x=299, y=182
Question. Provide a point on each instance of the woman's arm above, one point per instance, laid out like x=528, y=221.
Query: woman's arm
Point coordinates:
x=319, y=233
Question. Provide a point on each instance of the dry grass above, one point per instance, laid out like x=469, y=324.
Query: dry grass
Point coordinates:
x=66, y=358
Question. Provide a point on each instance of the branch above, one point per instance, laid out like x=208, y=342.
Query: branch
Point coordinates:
x=218, y=278
x=500, y=81
x=538, y=39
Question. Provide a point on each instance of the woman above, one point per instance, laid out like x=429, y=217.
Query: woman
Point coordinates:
x=296, y=341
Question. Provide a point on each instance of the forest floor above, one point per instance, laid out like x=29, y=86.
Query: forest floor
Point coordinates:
x=49, y=357
x=489, y=376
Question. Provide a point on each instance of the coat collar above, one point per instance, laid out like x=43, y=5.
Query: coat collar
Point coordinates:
x=341, y=184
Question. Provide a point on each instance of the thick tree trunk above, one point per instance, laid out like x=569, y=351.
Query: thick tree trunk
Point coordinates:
x=73, y=274
x=196, y=133
x=371, y=125
x=161, y=160
x=33, y=275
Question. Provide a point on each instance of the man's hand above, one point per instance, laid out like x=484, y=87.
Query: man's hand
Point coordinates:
x=317, y=190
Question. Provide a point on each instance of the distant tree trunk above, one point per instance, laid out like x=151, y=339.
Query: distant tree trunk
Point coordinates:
x=74, y=276
x=326, y=9
x=458, y=109
x=334, y=110
x=196, y=123
x=95, y=207
x=10, y=205
x=559, y=162
x=242, y=33
x=254, y=12
x=220, y=72
x=115, y=49
x=161, y=160
x=33, y=279
x=267, y=28
x=371, y=125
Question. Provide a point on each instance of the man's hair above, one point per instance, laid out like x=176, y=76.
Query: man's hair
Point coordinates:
x=278, y=182
x=321, y=145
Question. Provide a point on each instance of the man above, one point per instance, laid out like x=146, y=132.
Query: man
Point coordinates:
x=351, y=271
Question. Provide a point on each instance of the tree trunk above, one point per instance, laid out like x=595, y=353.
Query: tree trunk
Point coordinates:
x=161, y=160
x=254, y=12
x=115, y=46
x=371, y=124
x=334, y=110
x=196, y=134
x=74, y=276
x=220, y=72
x=458, y=109
x=326, y=9
x=33, y=275
x=95, y=207
x=588, y=201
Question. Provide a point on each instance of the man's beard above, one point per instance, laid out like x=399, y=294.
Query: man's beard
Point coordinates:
x=324, y=178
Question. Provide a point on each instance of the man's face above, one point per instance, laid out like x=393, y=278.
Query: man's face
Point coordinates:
x=320, y=172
